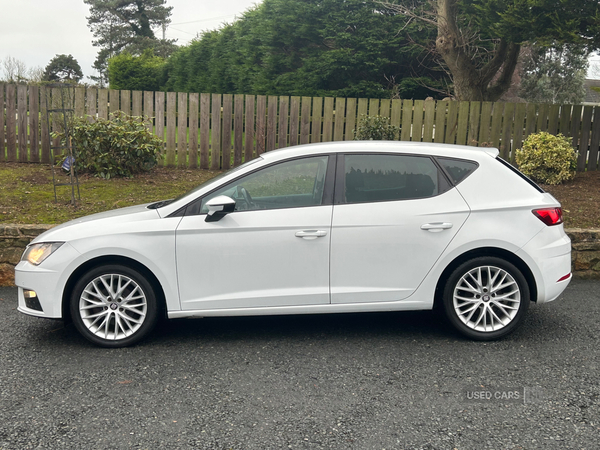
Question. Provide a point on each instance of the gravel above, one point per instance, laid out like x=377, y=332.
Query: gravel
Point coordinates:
x=354, y=381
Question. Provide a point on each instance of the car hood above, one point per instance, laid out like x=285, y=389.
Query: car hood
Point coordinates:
x=97, y=224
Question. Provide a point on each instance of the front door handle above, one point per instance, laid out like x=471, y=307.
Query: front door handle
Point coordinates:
x=436, y=227
x=311, y=234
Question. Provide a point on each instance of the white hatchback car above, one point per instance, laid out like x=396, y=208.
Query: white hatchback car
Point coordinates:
x=324, y=228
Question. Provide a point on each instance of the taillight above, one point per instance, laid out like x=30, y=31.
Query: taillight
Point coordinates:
x=550, y=216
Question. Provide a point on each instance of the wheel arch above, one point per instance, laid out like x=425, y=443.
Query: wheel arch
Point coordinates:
x=111, y=259
x=486, y=251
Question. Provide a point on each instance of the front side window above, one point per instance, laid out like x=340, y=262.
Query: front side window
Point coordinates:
x=372, y=178
x=290, y=184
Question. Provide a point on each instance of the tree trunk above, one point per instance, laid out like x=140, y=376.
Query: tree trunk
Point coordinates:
x=486, y=83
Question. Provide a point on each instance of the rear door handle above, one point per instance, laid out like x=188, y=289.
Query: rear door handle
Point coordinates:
x=436, y=227
x=311, y=234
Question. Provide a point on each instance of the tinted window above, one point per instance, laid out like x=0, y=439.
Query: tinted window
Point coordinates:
x=458, y=169
x=372, y=178
x=289, y=184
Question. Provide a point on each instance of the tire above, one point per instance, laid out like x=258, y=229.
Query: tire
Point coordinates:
x=114, y=306
x=486, y=298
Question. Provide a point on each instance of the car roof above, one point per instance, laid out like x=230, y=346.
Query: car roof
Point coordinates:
x=419, y=148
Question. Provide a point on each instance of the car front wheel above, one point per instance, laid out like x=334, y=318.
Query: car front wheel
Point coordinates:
x=486, y=298
x=114, y=306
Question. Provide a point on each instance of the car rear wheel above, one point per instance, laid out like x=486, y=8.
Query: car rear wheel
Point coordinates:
x=114, y=306
x=486, y=298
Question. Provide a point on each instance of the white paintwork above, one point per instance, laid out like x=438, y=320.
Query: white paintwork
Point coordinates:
x=344, y=258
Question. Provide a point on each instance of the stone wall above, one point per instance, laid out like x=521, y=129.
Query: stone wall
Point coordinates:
x=14, y=239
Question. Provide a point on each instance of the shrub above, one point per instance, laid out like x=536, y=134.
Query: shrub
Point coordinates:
x=120, y=146
x=375, y=128
x=547, y=159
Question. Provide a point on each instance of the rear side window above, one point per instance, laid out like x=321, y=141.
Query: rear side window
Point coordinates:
x=457, y=169
x=380, y=177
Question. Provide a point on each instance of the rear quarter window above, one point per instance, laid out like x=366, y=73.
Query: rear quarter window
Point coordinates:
x=457, y=169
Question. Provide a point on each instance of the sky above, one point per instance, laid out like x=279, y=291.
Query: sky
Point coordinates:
x=34, y=31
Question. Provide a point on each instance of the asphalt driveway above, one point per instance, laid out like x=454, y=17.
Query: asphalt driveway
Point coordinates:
x=368, y=381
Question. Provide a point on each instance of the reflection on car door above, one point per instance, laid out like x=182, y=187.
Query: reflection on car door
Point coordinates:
x=396, y=216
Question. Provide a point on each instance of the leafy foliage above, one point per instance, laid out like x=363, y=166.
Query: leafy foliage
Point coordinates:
x=375, y=128
x=63, y=68
x=127, y=25
x=547, y=159
x=121, y=146
x=139, y=73
x=313, y=47
x=555, y=74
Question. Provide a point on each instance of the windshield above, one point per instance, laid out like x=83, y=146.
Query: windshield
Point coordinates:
x=207, y=182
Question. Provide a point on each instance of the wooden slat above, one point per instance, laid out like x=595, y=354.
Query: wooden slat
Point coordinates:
x=586, y=127
x=103, y=104
x=428, y=120
x=350, y=118
x=22, y=122
x=284, y=106
x=2, y=125
x=498, y=111
x=328, y=119
x=384, y=107
x=305, y=120
x=530, y=120
x=575, y=131
x=45, y=135
x=126, y=101
x=136, y=103
x=271, y=123
x=417, y=127
x=564, y=126
x=226, y=140
x=407, y=107
x=463, y=123
x=11, y=123
x=92, y=102
x=484, y=124
x=396, y=114
x=171, y=127
x=34, y=124
x=193, y=132
x=595, y=142
x=519, y=129
x=159, y=121
x=238, y=129
x=553, y=114
x=317, y=109
x=149, y=110
x=114, y=101
x=204, y=129
x=507, y=130
x=261, y=122
x=339, y=119
x=79, y=101
x=440, y=121
x=294, y=120
x=249, y=127
x=215, y=133
x=182, y=129
x=542, y=118
x=363, y=110
x=474, y=117
x=451, y=123
x=57, y=122
x=374, y=107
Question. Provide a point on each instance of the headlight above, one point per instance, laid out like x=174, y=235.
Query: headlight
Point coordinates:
x=37, y=253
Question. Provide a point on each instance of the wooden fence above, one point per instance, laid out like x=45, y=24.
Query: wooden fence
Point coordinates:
x=218, y=131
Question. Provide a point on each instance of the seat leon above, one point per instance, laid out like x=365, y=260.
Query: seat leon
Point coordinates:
x=324, y=228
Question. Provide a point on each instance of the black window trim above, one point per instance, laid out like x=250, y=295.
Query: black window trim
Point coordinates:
x=327, y=188
x=340, y=182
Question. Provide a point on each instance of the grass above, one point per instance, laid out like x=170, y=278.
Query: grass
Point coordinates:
x=27, y=195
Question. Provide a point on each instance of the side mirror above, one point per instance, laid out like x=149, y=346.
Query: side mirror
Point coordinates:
x=219, y=207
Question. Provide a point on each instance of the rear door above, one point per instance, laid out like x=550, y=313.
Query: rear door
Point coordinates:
x=393, y=217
